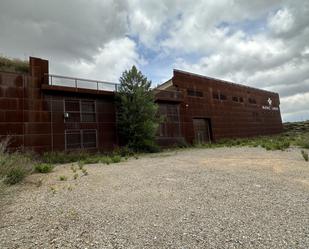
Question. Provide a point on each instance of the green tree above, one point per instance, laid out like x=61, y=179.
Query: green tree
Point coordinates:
x=137, y=116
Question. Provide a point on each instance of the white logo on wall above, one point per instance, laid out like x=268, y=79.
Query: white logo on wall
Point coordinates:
x=270, y=107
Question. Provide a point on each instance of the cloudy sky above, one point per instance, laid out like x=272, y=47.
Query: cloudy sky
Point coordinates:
x=261, y=43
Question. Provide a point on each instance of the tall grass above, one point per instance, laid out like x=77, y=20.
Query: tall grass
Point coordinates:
x=276, y=142
x=13, y=65
x=13, y=166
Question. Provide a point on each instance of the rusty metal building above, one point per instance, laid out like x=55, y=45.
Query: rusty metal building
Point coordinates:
x=45, y=112
x=202, y=109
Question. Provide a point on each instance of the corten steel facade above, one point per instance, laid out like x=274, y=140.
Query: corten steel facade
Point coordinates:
x=44, y=112
x=210, y=109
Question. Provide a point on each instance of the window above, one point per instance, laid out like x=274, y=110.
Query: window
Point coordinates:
x=194, y=93
x=235, y=99
x=89, y=139
x=80, y=111
x=88, y=111
x=73, y=139
x=218, y=95
x=170, y=127
x=238, y=99
x=222, y=96
x=72, y=108
x=80, y=139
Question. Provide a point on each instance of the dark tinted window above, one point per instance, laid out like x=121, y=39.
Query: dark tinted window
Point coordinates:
x=89, y=139
x=170, y=126
x=194, y=93
x=72, y=105
x=80, y=111
x=235, y=99
x=80, y=139
x=88, y=111
x=73, y=139
x=72, y=109
x=223, y=96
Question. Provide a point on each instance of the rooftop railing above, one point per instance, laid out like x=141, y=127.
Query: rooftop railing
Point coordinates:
x=58, y=80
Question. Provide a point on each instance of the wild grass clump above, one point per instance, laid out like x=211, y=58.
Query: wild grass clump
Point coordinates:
x=15, y=175
x=43, y=168
x=116, y=159
x=63, y=157
x=124, y=151
x=303, y=141
x=13, y=65
x=305, y=155
x=63, y=178
x=14, y=167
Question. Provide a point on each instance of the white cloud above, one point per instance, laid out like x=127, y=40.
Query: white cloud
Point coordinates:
x=111, y=60
x=262, y=43
x=281, y=22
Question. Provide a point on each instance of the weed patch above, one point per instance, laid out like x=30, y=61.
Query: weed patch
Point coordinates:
x=305, y=155
x=14, y=176
x=63, y=178
x=43, y=168
x=14, y=167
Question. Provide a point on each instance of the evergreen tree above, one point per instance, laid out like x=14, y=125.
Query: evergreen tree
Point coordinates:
x=137, y=112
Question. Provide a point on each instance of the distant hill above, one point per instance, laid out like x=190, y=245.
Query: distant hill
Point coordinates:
x=296, y=126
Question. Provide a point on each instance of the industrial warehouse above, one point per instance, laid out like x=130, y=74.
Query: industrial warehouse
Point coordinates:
x=45, y=112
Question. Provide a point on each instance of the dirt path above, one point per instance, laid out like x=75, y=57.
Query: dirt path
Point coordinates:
x=197, y=198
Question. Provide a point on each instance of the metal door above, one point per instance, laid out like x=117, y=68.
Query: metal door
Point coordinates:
x=201, y=128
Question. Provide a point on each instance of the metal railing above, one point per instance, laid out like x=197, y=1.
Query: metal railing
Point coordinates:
x=58, y=80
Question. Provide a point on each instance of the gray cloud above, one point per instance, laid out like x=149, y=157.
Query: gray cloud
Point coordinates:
x=74, y=29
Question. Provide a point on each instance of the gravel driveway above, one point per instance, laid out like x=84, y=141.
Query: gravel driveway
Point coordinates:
x=195, y=198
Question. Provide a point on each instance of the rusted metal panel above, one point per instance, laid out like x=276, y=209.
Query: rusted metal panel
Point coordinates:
x=32, y=112
x=229, y=118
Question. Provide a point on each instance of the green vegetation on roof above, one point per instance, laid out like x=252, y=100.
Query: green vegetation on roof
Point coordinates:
x=13, y=65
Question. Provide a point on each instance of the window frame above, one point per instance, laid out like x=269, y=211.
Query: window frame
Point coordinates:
x=80, y=112
x=81, y=135
x=195, y=93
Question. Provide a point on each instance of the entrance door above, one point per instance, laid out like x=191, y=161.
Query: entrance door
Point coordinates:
x=201, y=128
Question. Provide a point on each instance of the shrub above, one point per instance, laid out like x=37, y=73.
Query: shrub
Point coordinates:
x=15, y=175
x=63, y=178
x=303, y=141
x=92, y=160
x=13, y=65
x=63, y=157
x=106, y=160
x=81, y=164
x=124, y=151
x=43, y=168
x=305, y=155
x=116, y=159
x=13, y=166
x=85, y=172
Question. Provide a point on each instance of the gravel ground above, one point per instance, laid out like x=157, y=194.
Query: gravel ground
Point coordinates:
x=195, y=198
